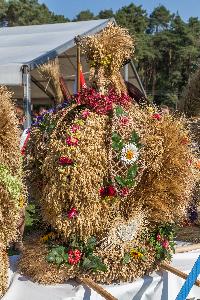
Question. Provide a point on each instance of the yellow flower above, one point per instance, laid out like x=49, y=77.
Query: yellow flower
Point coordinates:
x=136, y=254
x=79, y=122
x=48, y=236
x=76, y=135
x=150, y=110
x=21, y=201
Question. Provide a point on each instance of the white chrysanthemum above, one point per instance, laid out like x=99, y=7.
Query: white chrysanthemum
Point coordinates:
x=129, y=154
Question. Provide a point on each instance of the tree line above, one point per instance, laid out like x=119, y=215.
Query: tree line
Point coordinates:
x=167, y=47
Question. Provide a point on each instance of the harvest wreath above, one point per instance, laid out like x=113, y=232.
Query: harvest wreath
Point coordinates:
x=112, y=179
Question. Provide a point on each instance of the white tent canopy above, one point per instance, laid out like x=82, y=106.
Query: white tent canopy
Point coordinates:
x=24, y=48
x=33, y=45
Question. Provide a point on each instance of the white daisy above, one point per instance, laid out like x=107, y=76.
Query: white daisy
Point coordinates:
x=129, y=154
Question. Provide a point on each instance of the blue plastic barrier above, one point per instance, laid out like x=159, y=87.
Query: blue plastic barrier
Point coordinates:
x=192, y=277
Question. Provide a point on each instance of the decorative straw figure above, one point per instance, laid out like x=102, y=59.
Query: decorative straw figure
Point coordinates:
x=12, y=193
x=114, y=178
x=106, y=52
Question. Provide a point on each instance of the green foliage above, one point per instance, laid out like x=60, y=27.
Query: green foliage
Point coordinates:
x=117, y=142
x=32, y=218
x=160, y=236
x=119, y=111
x=58, y=254
x=135, y=138
x=93, y=263
x=12, y=183
x=47, y=123
x=84, y=16
x=27, y=12
x=126, y=258
x=105, y=14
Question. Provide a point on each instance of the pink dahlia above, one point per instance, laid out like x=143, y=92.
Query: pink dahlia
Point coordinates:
x=85, y=113
x=156, y=116
x=124, y=121
x=158, y=237
x=72, y=213
x=75, y=127
x=72, y=141
x=65, y=161
x=165, y=244
x=124, y=192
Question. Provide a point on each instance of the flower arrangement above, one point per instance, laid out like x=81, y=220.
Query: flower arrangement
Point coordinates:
x=100, y=103
x=162, y=239
x=77, y=252
x=134, y=254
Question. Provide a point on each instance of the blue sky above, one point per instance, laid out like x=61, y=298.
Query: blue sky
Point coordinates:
x=70, y=8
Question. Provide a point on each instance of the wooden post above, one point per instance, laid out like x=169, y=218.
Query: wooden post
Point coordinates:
x=96, y=287
x=187, y=248
x=177, y=272
x=78, y=65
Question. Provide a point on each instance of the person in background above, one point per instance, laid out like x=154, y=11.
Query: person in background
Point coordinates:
x=21, y=118
x=42, y=110
x=165, y=110
x=34, y=115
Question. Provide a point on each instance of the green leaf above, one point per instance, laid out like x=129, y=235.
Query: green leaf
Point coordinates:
x=94, y=263
x=86, y=263
x=117, y=142
x=119, y=111
x=132, y=171
x=144, y=258
x=134, y=138
x=50, y=258
x=120, y=181
x=54, y=251
x=59, y=260
x=90, y=246
x=91, y=241
x=65, y=257
x=61, y=250
x=117, y=146
x=99, y=265
x=116, y=137
x=126, y=258
x=129, y=182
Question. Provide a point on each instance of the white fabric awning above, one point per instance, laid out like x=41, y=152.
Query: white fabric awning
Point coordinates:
x=34, y=45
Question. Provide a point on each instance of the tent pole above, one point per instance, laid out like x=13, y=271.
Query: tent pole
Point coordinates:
x=138, y=78
x=27, y=95
x=126, y=72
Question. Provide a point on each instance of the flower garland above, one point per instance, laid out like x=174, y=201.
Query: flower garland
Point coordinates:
x=72, y=138
x=101, y=104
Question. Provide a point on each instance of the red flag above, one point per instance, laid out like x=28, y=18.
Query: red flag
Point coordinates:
x=82, y=80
